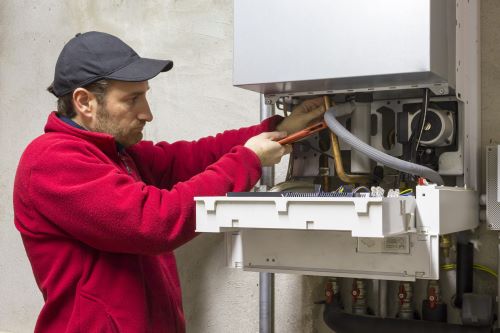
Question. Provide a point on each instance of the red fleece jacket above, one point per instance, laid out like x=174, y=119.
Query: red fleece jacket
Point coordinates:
x=99, y=226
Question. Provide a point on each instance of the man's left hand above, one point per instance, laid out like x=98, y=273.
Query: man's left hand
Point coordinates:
x=307, y=113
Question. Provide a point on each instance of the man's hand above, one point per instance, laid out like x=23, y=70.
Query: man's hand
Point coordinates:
x=267, y=149
x=307, y=113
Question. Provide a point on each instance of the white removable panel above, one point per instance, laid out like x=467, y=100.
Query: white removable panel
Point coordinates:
x=364, y=217
x=443, y=210
x=386, y=238
x=330, y=253
x=439, y=210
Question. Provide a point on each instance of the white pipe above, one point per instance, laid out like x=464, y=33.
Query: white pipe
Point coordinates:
x=377, y=155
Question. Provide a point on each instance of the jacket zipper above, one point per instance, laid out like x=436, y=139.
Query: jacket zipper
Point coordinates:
x=124, y=162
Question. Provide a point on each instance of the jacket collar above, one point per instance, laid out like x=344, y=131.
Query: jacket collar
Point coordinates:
x=103, y=141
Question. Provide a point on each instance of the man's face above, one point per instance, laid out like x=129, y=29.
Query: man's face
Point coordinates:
x=124, y=112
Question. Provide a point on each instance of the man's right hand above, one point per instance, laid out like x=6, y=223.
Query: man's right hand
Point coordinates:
x=267, y=149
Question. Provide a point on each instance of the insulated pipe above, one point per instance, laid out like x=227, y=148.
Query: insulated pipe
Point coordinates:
x=341, y=322
x=339, y=167
x=266, y=280
x=360, y=128
x=465, y=262
x=377, y=155
x=382, y=298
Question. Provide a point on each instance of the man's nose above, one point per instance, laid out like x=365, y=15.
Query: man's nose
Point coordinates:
x=145, y=113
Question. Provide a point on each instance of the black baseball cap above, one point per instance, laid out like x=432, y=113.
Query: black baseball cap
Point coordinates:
x=94, y=55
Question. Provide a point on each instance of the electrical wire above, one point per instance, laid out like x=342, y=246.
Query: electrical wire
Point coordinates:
x=340, y=189
x=475, y=266
x=280, y=105
x=485, y=269
x=359, y=188
x=421, y=125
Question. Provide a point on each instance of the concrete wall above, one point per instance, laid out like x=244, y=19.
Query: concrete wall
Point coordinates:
x=193, y=100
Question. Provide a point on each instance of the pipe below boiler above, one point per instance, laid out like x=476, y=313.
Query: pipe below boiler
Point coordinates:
x=266, y=280
x=342, y=322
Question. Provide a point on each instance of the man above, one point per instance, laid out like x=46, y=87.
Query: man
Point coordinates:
x=100, y=211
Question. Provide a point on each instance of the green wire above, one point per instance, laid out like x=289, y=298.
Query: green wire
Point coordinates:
x=408, y=190
x=486, y=269
x=475, y=266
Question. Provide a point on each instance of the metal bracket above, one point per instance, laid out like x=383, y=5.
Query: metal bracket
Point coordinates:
x=270, y=99
x=440, y=89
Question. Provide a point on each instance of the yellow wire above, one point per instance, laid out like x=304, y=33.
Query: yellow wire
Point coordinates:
x=486, y=269
x=475, y=266
x=406, y=191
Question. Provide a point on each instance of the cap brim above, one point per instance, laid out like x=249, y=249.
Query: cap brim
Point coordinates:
x=142, y=69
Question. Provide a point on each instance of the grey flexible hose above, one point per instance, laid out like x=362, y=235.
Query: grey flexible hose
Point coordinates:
x=374, y=154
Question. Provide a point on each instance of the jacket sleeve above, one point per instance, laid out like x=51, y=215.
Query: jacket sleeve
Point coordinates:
x=170, y=163
x=78, y=189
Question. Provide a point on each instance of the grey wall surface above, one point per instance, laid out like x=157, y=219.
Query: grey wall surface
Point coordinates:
x=193, y=100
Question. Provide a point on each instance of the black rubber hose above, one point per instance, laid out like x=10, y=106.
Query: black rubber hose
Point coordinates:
x=437, y=313
x=465, y=261
x=341, y=322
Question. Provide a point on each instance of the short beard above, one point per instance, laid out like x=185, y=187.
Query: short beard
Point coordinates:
x=105, y=125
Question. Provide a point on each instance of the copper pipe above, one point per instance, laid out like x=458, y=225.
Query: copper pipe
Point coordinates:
x=339, y=167
x=291, y=157
x=324, y=172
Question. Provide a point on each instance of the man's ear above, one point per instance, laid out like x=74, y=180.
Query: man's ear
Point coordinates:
x=84, y=104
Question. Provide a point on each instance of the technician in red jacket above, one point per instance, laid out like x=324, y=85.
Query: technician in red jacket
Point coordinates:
x=100, y=212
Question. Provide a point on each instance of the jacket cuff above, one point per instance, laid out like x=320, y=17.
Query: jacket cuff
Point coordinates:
x=251, y=162
x=269, y=124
